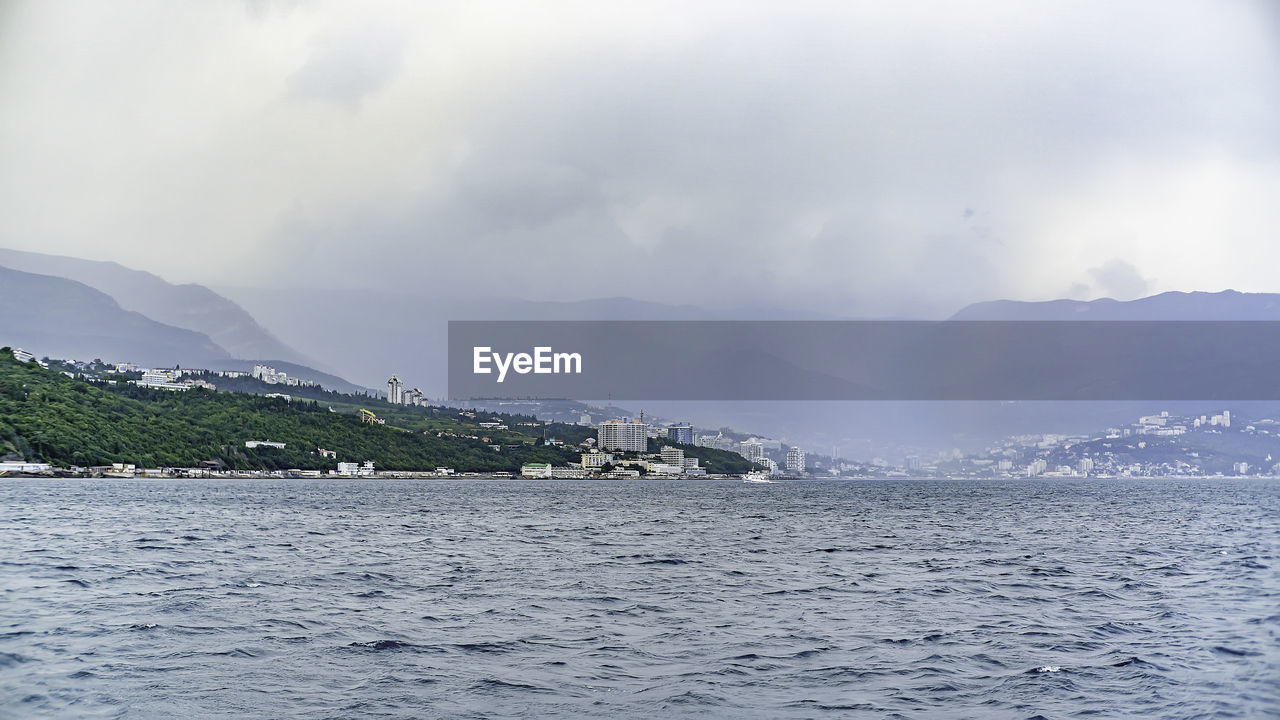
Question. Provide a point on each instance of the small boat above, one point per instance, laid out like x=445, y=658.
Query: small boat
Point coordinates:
x=756, y=476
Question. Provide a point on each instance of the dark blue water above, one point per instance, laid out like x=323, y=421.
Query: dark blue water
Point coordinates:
x=614, y=599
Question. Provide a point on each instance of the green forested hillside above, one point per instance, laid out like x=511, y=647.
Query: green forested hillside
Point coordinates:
x=49, y=417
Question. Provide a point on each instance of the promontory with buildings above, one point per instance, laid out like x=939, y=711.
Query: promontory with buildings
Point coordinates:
x=94, y=417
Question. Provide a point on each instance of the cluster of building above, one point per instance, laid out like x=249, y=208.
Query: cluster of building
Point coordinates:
x=1138, y=449
x=205, y=470
x=345, y=469
x=630, y=435
x=621, y=449
x=397, y=394
x=1163, y=425
x=23, y=356
x=20, y=467
x=165, y=379
x=187, y=378
x=175, y=379
x=271, y=376
x=667, y=462
x=789, y=459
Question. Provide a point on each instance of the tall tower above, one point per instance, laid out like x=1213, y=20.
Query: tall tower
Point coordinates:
x=395, y=390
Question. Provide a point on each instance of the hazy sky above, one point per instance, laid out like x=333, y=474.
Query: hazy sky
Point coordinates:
x=841, y=156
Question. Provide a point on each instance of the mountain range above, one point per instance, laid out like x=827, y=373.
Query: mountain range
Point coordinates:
x=1225, y=305
x=57, y=317
x=190, y=306
x=72, y=308
x=75, y=308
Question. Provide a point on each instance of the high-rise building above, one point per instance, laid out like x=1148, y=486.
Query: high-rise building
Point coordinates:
x=795, y=460
x=751, y=449
x=625, y=435
x=680, y=433
x=1086, y=466
x=395, y=391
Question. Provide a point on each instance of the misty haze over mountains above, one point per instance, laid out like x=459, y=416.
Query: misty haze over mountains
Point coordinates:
x=1224, y=305
x=57, y=317
x=845, y=158
x=190, y=306
x=349, y=178
x=365, y=336
x=80, y=309
x=1050, y=223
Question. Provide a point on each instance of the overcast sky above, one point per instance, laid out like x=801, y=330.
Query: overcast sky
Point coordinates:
x=840, y=156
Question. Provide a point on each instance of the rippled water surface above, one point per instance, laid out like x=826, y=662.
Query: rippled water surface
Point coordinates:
x=326, y=599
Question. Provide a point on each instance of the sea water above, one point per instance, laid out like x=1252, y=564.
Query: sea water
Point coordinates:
x=905, y=598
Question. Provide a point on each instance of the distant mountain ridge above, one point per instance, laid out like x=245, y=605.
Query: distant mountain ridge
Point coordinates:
x=407, y=334
x=56, y=317
x=190, y=306
x=1174, y=305
x=73, y=309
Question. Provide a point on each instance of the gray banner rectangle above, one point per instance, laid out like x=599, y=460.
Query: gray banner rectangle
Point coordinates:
x=866, y=360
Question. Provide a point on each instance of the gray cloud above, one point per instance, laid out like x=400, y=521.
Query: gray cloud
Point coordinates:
x=354, y=64
x=1119, y=280
x=844, y=158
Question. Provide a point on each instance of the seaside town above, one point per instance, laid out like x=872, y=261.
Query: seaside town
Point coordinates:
x=1156, y=445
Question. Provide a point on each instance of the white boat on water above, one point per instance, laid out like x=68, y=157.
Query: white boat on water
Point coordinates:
x=756, y=476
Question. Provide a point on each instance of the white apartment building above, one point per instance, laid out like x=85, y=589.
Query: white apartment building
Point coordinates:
x=624, y=435
x=395, y=390
x=595, y=459
x=271, y=376
x=795, y=460
x=751, y=449
x=351, y=469
x=160, y=379
x=664, y=469
x=672, y=455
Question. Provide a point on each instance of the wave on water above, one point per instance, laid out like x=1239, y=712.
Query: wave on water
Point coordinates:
x=626, y=599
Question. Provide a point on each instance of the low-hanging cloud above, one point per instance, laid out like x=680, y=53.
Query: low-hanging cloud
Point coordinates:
x=356, y=63
x=853, y=159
